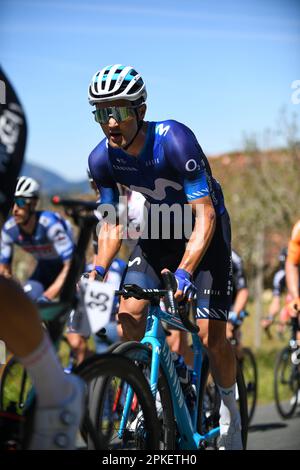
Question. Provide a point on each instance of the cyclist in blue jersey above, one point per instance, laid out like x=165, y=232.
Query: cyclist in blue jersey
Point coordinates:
x=164, y=161
x=43, y=234
x=59, y=396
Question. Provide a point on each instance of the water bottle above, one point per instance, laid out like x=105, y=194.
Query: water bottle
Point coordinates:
x=186, y=379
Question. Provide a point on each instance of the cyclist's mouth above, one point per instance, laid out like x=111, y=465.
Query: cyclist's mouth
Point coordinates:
x=116, y=137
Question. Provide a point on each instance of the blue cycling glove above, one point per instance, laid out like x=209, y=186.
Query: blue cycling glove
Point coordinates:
x=234, y=318
x=43, y=300
x=184, y=283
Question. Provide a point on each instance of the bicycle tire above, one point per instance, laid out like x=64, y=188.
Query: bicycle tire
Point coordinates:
x=101, y=367
x=214, y=416
x=251, y=382
x=141, y=355
x=283, y=359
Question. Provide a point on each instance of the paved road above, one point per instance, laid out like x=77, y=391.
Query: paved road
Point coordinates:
x=268, y=431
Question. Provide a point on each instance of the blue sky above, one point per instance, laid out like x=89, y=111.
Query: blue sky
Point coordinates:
x=223, y=67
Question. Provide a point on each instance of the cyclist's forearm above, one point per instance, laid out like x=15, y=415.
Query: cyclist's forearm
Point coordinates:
x=274, y=306
x=109, y=243
x=55, y=288
x=292, y=279
x=204, y=228
x=241, y=300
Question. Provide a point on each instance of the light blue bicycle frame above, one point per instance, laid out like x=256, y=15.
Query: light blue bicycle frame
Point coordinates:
x=161, y=356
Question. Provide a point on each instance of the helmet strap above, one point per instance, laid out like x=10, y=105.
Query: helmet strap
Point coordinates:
x=140, y=124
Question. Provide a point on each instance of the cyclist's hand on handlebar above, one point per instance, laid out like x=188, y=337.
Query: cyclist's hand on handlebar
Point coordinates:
x=234, y=318
x=185, y=287
x=294, y=307
x=42, y=299
x=92, y=276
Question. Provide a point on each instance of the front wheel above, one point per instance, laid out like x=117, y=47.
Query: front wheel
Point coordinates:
x=106, y=374
x=141, y=355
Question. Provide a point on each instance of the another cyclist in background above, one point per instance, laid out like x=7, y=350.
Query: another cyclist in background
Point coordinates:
x=78, y=330
x=59, y=396
x=43, y=234
x=164, y=161
x=292, y=267
x=134, y=206
x=279, y=288
x=240, y=297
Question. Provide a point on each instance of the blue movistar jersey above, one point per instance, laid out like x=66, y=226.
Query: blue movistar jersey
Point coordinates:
x=171, y=168
x=52, y=238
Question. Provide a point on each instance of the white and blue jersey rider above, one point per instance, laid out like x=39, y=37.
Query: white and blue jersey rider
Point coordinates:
x=43, y=234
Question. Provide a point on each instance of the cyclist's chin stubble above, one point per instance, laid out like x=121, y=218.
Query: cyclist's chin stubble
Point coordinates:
x=126, y=133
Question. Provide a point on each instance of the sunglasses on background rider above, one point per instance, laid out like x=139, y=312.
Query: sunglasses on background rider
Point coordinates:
x=21, y=201
x=119, y=113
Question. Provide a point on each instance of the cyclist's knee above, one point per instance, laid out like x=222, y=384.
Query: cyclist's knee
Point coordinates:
x=133, y=328
x=133, y=307
x=178, y=342
x=77, y=342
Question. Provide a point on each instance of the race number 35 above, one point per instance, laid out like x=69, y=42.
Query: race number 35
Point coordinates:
x=98, y=303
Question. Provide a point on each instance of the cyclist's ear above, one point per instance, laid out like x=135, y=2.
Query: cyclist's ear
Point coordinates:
x=142, y=111
x=33, y=203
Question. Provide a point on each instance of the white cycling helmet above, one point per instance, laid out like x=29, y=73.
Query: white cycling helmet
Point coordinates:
x=27, y=187
x=116, y=82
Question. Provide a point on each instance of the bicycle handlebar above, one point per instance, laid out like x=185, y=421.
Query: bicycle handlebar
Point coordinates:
x=153, y=295
x=76, y=204
x=171, y=286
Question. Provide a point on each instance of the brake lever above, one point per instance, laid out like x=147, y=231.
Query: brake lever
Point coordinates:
x=171, y=286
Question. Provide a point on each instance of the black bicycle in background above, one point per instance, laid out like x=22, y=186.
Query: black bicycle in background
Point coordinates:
x=16, y=424
x=248, y=366
x=287, y=374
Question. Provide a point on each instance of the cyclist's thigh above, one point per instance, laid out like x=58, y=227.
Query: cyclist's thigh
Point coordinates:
x=141, y=271
x=149, y=258
x=78, y=323
x=143, y=274
x=213, y=278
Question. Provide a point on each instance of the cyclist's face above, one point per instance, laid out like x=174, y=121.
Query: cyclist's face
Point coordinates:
x=21, y=214
x=119, y=134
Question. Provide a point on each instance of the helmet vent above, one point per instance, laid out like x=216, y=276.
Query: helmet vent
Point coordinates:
x=112, y=84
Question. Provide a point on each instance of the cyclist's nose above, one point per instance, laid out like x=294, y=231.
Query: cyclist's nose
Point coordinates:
x=112, y=122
